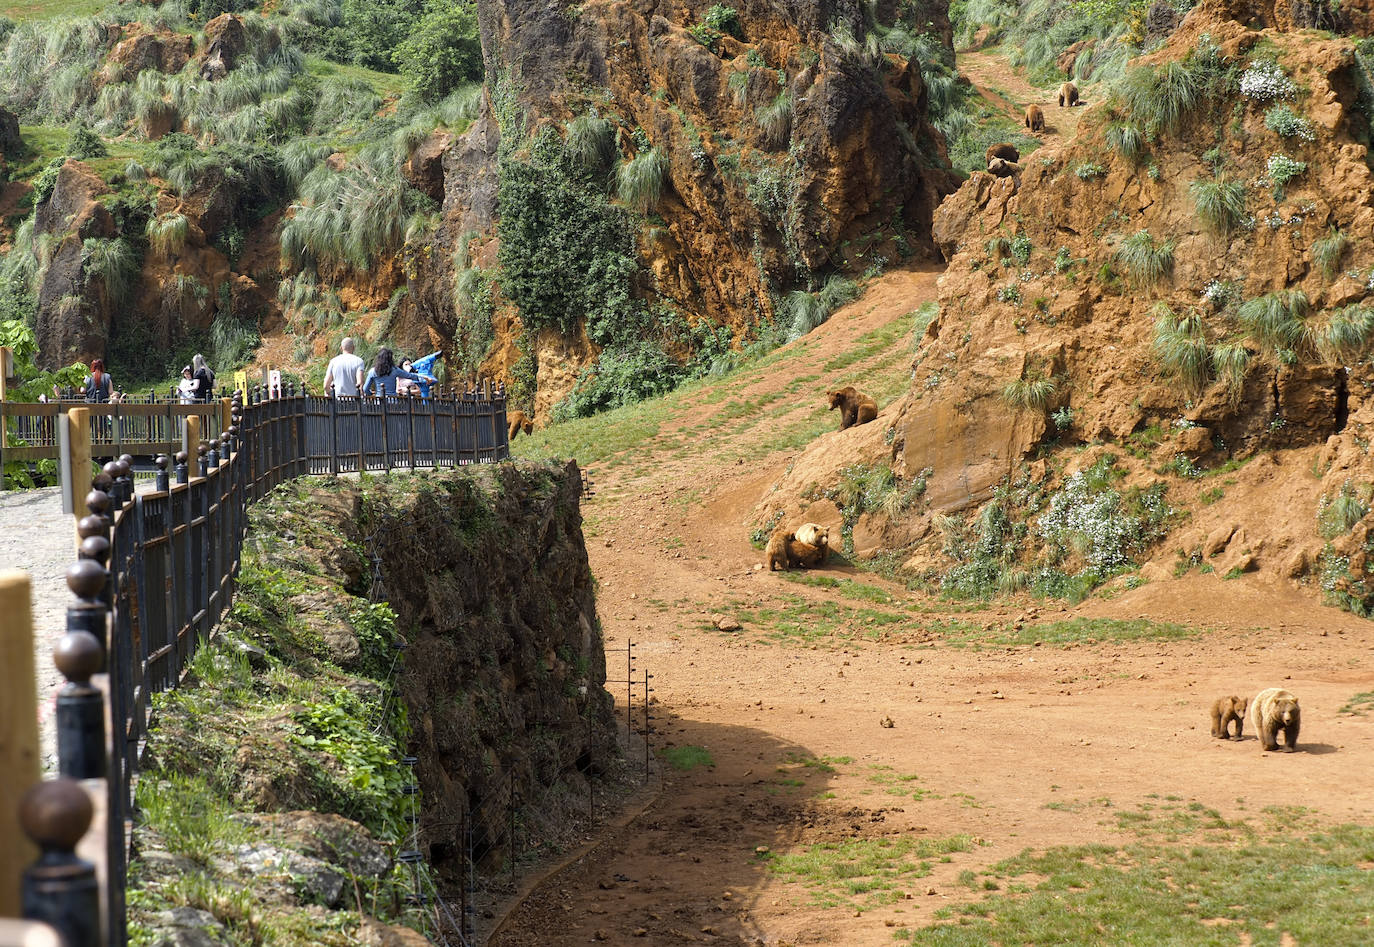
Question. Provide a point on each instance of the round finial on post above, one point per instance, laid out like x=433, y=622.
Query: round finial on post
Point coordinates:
x=92, y=525
x=102, y=482
x=181, y=458
x=56, y=814
x=78, y=656
x=96, y=549
x=127, y=460
x=160, y=462
x=98, y=501
x=86, y=579
x=111, y=469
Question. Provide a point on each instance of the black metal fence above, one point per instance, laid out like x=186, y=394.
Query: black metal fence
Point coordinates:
x=156, y=573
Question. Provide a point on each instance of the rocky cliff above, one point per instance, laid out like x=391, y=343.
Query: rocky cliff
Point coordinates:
x=1186, y=285
x=449, y=618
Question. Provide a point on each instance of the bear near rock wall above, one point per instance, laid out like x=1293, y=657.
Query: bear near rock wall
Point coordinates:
x=852, y=168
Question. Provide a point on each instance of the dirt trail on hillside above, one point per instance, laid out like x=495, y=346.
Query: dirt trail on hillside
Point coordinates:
x=854, y=735
x=1007, y=90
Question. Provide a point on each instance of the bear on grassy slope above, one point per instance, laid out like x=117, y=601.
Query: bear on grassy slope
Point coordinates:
x=855, y=407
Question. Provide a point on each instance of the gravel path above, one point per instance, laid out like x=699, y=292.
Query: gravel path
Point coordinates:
x=36, y=536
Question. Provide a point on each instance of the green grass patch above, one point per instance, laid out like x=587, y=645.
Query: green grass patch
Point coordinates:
x=385, y=84
x=1315, y=888
x=794, y=617
x=847, y=588
x=1359, y=705
x=1093, y=630
x=686, y=758
x=899, y=784
x=862, y=872
x=52, y=9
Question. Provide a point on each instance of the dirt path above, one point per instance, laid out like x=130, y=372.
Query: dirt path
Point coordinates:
x=36, y=536
x=995, y=748
x=1007, y=90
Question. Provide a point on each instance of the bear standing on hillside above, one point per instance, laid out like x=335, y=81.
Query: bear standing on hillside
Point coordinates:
x=1271, y=710
x=1035, y=119
x=519, y=421
x=855, y=407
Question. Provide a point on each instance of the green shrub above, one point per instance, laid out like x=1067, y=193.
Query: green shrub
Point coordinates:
x=776, y=120
x=1283, y=120
x=639, y=181
x=1275, y=322
x=1180, y=348
x=1338, y=515
x=1089, y=170
x=113, y=262
x=442, y=51
x=1126, y=139
x=1220, y=202
x=1342, y=336
x=1160, y=98
x=591, y=141
x=167, y=233
x=232, y=338
x=1032, y=393
x=1145, y=262
x=1231, y=362
x=1327, y=251
x=85, y=143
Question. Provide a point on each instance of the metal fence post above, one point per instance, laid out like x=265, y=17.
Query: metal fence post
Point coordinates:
x=60, y=889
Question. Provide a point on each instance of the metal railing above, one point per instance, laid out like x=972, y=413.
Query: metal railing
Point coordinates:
x=156, y=572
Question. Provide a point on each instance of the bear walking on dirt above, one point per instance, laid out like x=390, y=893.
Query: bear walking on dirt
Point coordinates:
x=785, y=551
x=855, y=407
x=1035, y=119
x=1225, y=710
x=1271, y=710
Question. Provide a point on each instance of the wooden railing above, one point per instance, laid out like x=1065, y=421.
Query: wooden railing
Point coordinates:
x=155, y=573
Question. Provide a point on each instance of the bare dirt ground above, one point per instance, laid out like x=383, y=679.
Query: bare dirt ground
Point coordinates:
x=1008, y=91
x=1019, y=747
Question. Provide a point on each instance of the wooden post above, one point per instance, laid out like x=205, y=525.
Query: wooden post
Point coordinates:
x=19, y=763
x=6, y=366
x=78, y=421
x=226, y=413
x=191, y=439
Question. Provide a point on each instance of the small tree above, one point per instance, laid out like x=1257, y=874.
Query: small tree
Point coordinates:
x=443, y=52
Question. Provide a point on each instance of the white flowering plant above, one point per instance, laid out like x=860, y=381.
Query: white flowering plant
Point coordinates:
x=1089, y=518
x=1281, y=169
x=1264, y=81
x=1289, y=124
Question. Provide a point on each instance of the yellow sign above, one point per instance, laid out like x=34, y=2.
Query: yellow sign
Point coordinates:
x=241, y=382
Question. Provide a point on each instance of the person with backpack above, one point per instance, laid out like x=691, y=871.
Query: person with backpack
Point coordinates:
x=99, y=386
x=204, y=379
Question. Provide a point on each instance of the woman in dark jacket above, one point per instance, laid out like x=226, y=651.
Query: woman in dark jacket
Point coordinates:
x=204, y=379
x=384, y=373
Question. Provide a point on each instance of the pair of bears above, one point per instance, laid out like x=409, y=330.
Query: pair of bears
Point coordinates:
x=855, y=406
x=1272, y=711
x=807, y=547
x=1001, y=159
x=1068, y=98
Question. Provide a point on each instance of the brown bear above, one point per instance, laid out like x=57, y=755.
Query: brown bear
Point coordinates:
x=1271, y=710
x=808, y=556
x=813, y=534
x=776, y=551
x=1035, y=119
x=1068, y=95
x=1004, y=150
x=519, y=421
x=855, y=408
x=1224, y=710
x=1001, y=168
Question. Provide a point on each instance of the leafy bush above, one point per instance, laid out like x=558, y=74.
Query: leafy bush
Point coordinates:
x=1280, y=169
x=1289, y=124
x=1021, y=249
x=85, y=143
x=1220, y=202
x=232, y=338
x=802, y=311
x=1145, y=262
x=442, y=51
x=621, y=376
x=639, y=181
x=1090, y=519
x=1089, y=170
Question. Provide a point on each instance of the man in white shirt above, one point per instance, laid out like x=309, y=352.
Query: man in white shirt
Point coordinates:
x=344, y=376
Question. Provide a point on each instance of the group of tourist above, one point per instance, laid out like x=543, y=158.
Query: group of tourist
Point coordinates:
x=344, y=376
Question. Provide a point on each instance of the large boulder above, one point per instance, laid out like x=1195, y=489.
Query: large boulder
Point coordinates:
x=73, y=316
